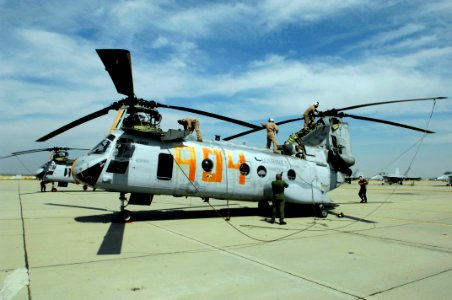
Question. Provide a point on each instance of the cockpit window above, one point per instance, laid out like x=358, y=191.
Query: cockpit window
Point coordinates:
x=101, y=147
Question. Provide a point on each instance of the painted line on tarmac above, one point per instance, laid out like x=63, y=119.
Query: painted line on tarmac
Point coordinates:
x=14, y=283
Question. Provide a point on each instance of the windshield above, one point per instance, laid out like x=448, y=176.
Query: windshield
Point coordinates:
x=101, y=147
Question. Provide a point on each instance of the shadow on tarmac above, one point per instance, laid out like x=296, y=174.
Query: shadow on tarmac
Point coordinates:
x=184, y=213
x=113, y=239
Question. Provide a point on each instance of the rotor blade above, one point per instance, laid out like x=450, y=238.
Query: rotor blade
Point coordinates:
x=31, y=151
x=208, y=114
x=41, y=150
x=118, y=63
x=385, y=102
x=242, y=134
x=82, y=120
x=46, y=149
x=258, y=129
x=388, y=123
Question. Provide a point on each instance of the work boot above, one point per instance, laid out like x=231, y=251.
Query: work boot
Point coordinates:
x=282, y=223
x=272, y=221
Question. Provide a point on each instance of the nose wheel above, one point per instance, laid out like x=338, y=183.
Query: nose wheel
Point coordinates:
x=123, y=215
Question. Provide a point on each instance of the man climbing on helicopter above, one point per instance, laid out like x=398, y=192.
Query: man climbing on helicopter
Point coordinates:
x=191, y=124
x=272, y=128
x=309, y=116
x=292, y=145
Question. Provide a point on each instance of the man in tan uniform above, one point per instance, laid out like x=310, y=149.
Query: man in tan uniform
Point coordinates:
x=191, y=124
x=309, y=116
x=272, y=128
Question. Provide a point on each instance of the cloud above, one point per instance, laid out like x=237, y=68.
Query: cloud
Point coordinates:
x=248, y=60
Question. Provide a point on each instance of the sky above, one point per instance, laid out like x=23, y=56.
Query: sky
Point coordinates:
x=248, y=60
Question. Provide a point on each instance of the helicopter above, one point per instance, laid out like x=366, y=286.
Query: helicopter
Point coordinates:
x=139, y=158
x=56, y=170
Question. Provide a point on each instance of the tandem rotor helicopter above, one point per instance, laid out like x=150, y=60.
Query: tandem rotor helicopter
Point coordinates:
x=56, y=170
x=141, y=159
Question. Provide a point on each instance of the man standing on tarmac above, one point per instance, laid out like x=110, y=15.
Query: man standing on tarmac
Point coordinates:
x=362, y=189
x=279, y=200
x=272, y=128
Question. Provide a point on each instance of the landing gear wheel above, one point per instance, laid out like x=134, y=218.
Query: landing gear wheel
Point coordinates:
x=321, y=211
x=124, y=216
x=54, y=189
x=85, y=187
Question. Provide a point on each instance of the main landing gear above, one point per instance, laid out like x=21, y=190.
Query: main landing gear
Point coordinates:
x=320, y=211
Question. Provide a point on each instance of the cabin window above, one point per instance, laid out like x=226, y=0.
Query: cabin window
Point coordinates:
x=124, y=150
x=207, y=165
x=291, y=174
x=118, y=167
x=165, y=166
x=261, y=171
x=244, y=169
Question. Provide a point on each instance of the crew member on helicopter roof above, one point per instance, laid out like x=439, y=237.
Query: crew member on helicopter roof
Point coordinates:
x=309, y=116
x=191, y=124
x=292, y=145
x=272, y=128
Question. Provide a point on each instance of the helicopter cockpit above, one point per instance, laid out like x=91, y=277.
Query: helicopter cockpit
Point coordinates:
x=103, y=146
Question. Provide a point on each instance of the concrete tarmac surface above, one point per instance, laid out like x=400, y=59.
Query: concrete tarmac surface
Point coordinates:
x=64, y=245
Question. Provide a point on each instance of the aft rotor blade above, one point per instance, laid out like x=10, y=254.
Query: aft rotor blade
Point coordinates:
x=258, y=129
x=208, y=114
x=388, y=123
x=75, y=123
x=385, y=102
x=118, y=64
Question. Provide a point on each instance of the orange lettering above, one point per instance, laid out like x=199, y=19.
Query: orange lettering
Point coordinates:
x=217, y=176
x=232, y=165
x=186, y=156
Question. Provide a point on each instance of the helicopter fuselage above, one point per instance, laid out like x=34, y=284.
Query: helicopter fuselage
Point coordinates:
x=129, y=163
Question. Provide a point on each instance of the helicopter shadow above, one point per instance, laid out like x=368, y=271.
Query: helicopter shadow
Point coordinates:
x=113, y=239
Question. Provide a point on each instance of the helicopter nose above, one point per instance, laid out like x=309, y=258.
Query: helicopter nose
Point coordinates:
x=87, y=173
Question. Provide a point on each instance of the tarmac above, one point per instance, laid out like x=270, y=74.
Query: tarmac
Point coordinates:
x=66, y=245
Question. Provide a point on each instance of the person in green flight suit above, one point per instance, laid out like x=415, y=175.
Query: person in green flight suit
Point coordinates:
x=278, y=187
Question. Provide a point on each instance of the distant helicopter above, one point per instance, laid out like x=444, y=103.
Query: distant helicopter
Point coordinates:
x=56, y=170
x=140, y=158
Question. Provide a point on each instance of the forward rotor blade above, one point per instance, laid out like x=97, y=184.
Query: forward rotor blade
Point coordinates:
x=388, y=123
x=385, y=102
x=258, y=129
x=118, y=64
x=208, y=114
x=82, y=120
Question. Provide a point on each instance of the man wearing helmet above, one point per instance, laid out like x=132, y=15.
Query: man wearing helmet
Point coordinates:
x=309, y=116
x=272, y=128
